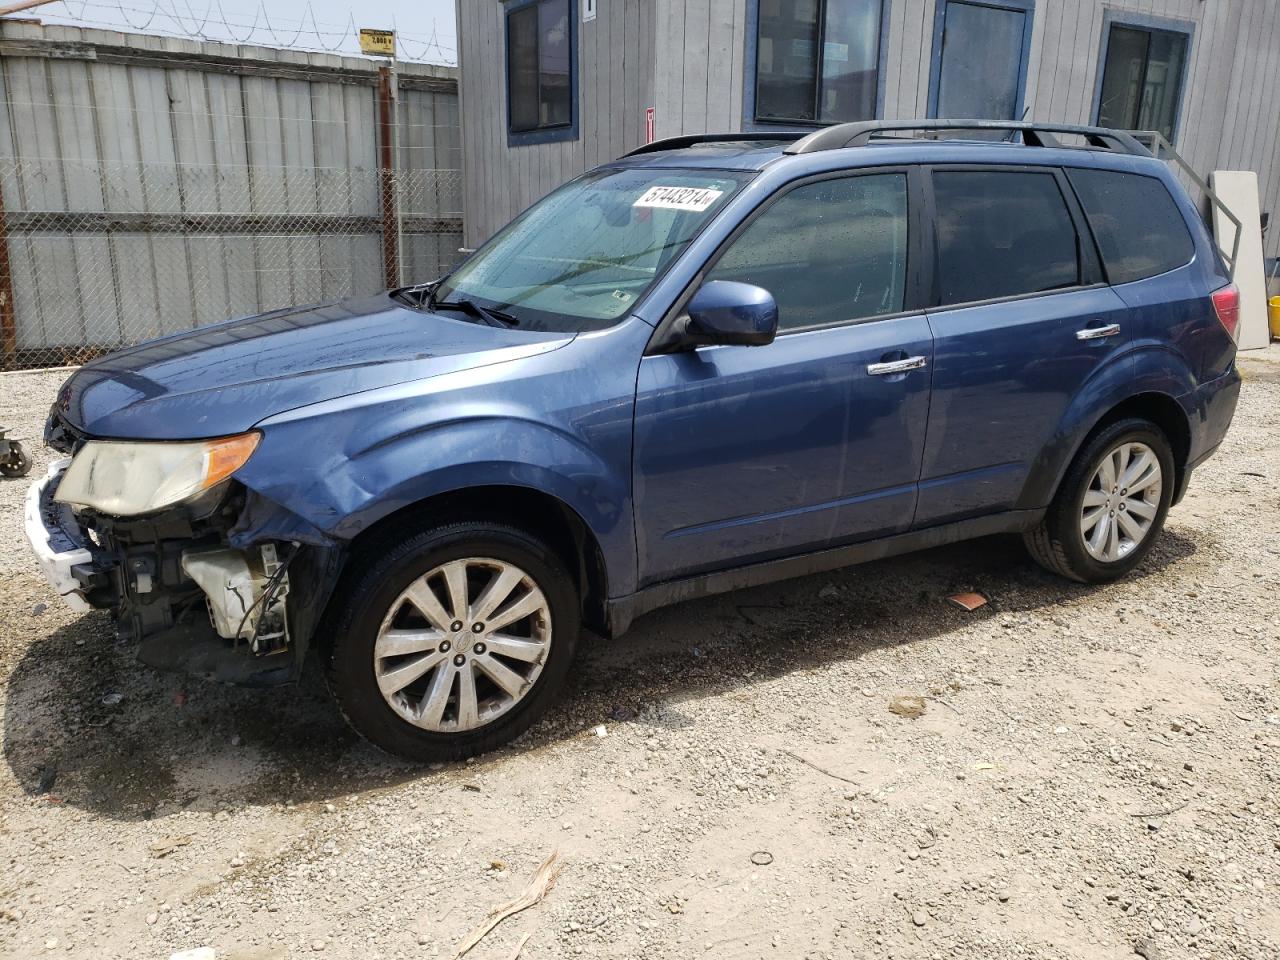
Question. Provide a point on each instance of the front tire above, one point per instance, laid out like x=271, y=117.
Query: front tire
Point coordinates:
x=1111, y=505
x=453, y=640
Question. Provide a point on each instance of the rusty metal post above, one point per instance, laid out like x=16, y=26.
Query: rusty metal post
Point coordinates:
x=8, y=314
x=386, y=181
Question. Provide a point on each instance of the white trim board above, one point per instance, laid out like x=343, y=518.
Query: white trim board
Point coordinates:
x=1238, y=190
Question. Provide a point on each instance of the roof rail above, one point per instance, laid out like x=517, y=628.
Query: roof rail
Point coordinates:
x=692, y=140
x=1033, y=134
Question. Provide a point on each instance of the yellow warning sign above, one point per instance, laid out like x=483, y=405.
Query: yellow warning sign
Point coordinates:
x=378, y=43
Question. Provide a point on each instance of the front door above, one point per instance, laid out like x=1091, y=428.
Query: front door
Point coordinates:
x=747, y=453
x=1022, y=324
x=981, y=68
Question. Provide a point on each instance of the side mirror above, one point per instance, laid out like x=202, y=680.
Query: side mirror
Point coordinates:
x=726, y=312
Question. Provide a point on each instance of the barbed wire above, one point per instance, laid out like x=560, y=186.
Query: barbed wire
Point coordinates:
x=306, y=32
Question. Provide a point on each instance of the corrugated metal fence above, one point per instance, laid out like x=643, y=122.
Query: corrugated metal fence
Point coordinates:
x=151, y=184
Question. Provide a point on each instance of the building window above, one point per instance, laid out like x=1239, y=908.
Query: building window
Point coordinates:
x=817, y=61
x=541, y=71
x=980, y=52
x=1142, y=76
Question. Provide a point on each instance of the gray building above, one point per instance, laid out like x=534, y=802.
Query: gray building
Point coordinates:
x=551, y=88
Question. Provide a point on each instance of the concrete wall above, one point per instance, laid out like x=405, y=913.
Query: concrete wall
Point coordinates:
x=690, y=57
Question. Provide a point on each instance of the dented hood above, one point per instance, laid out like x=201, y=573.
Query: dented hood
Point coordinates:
x=223, y=379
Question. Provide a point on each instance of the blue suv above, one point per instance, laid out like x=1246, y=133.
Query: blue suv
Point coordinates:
x=716, y=362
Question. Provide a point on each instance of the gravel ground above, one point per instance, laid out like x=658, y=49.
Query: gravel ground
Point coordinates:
x=1094, y=773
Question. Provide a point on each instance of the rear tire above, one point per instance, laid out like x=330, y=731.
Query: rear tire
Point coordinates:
x=453, y=640
x=1110, y=507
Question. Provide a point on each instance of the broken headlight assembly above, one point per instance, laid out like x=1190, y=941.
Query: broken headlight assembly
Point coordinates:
x=127, y=478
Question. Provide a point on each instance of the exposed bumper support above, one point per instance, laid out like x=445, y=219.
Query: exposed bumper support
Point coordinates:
x=56, y=539
x=179, y=583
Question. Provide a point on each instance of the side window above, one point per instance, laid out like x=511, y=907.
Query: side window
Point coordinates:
x=1139, y=230
x=829, y=252
x=540, y=58
x=1002, y=234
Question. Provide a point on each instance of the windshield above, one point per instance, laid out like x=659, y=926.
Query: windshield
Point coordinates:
x=581, y=258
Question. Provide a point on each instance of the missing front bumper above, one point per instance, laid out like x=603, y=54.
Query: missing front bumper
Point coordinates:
x=175, y=585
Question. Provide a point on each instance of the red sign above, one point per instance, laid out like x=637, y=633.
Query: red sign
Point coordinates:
x=649, y=125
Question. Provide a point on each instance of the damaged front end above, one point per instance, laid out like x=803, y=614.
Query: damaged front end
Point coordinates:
x=204, y=586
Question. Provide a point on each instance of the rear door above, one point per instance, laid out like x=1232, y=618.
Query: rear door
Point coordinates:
x=746, y=453
x=1022, y=321
x=1149, y=257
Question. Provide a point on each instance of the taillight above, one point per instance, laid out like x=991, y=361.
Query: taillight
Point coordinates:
x=1226, y=303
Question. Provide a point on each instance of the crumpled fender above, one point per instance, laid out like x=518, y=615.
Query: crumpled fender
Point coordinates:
x=559, y=423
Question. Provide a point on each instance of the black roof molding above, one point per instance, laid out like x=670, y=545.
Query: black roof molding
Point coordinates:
x=692, y=140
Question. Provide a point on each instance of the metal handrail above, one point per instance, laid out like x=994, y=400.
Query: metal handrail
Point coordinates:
x=1162, y=149
x=1033, y=134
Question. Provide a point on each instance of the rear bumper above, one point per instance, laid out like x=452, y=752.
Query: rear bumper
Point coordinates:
x=1213, y=405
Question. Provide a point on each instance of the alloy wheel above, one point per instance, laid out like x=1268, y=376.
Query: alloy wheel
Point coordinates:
x=463, y=644
x=1122, y=501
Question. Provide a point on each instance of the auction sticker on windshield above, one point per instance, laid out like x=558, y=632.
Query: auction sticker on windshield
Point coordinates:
x=696, y=199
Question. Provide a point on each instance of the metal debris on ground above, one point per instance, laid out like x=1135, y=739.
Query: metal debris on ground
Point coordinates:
x=909, y=706
x=534, y=893
x=1144, y=814
x=968, y=601
x=824, y=770
x=47, y=776
x=762, y=858
x=166, y=845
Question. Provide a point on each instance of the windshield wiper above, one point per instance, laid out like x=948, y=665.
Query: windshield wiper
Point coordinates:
x=494, y=318
x=415, y=296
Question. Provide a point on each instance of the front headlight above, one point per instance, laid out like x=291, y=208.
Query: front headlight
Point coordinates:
x=124, y=478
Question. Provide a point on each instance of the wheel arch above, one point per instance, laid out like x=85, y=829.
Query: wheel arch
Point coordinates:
x=533, y=510
x=1161, y=409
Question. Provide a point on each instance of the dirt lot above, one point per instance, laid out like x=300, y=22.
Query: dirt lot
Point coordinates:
x=1094, y=774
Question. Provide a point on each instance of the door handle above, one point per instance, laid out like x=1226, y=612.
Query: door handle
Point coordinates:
x=1096, y=333
x=896, y=366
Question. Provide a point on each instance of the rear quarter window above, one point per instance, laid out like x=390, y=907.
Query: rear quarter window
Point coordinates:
x=1139, y=230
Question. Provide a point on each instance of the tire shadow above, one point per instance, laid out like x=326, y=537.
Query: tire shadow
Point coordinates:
x=87, y=725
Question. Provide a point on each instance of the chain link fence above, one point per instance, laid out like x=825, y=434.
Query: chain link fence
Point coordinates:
x=212, y=245
x=143, y=198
